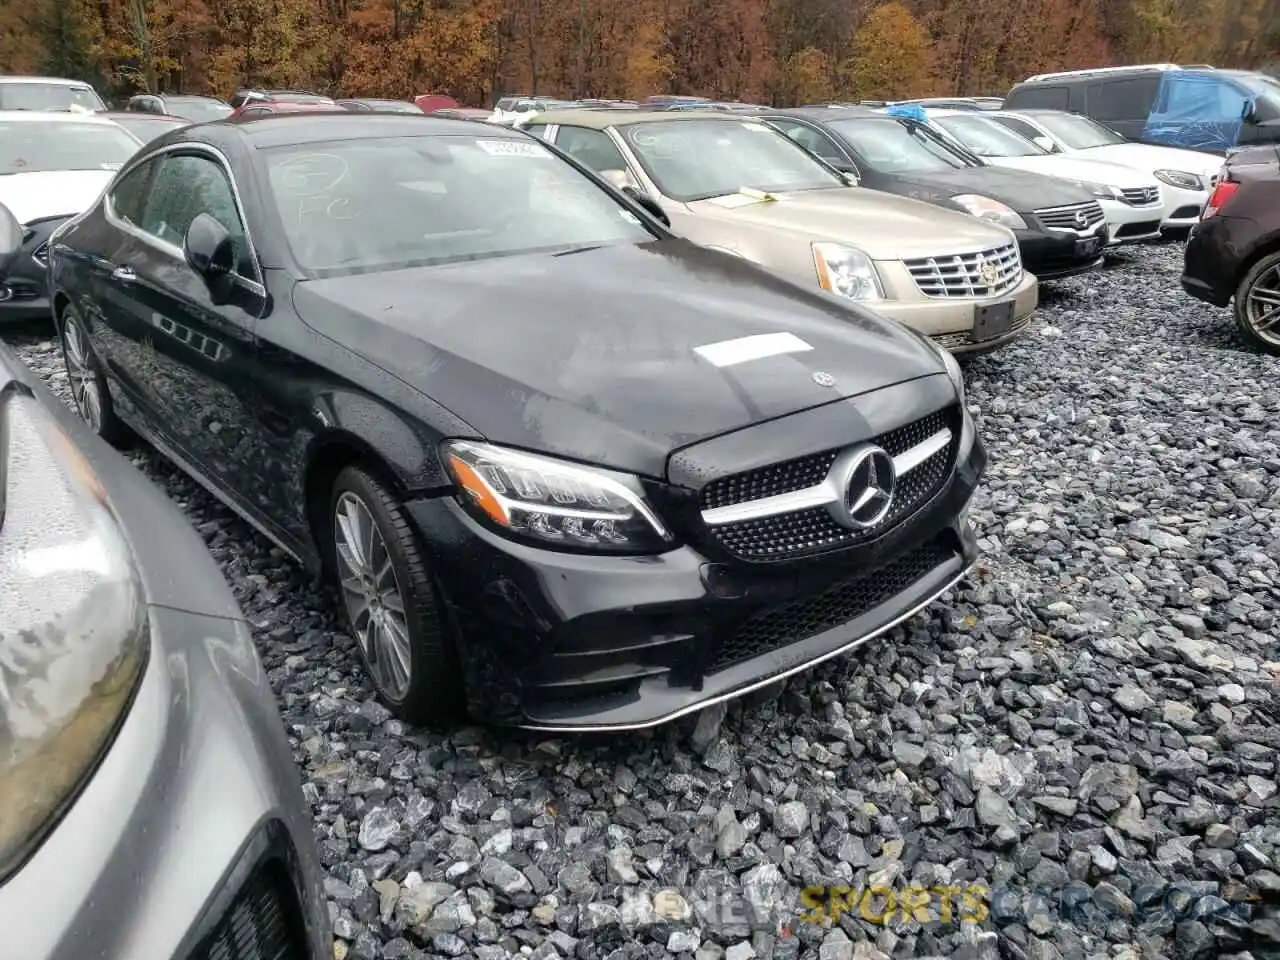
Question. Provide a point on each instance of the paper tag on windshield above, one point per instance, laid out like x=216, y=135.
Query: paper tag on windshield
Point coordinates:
x=733, y=200
x=510, y=148
x=758, y=127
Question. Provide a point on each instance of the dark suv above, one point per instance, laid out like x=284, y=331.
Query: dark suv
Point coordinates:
x=1234, y=251
x=1195, y=108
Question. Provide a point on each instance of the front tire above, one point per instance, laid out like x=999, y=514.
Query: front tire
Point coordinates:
x=1257, y=304
x=89, y=394
x=391, y=600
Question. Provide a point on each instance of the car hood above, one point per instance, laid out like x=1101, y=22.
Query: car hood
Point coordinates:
x=1073, y=167
x=1019, y=189
x=882, y=225
x=592, y=355
x=1143, y=156
x=52, y=193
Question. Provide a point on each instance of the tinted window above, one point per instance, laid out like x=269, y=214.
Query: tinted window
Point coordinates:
x=699, y=159
x=987, y=138
x=591, y=148
x=1128, y=98
x=130, y=193
x=184, y=187
x=811, y=139
x=1039, y=96
x=358, y=205
x=888, y=146
x=48, y=96
x=256, y=112
x=33, y=146
x=1020, y=127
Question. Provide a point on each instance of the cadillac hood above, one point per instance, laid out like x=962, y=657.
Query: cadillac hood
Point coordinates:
x=613, y=355
x=1073, y=167
x=52, y=193
x=884, y=226
x=1021, y=190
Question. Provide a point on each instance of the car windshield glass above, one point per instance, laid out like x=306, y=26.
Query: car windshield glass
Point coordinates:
x=888, y=146
x=1078, y=133
x=987, y=138
x=39, y=146
x=376, y=203
x=48, y=96
x=698, y=159
x=198, y=111
x=1258, y=83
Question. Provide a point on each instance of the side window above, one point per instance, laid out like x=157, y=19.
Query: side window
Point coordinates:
x=256, y=112
x=591, y=148
x=543, y=131
x=811, y=140
x=1020, y=127
x=129, y=193
x=186, y=186
x=1038, y=96
x=1128, y=98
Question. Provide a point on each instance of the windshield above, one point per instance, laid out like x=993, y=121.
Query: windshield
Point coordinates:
x=987, y=138
x=48, y=96
x=198, y=111
x=147, y=128
x=1258, y=83
x=1078, y=133
x=888, y=146
x=376, y=203
x=697, y=159
x=37, y=146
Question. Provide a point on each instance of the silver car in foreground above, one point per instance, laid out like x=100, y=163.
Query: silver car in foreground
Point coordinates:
x=149, y=805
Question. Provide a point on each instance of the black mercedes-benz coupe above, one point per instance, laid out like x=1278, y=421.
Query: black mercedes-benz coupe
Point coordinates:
x=566, y=469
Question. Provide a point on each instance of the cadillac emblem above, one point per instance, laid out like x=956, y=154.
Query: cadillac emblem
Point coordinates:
x=988, y=272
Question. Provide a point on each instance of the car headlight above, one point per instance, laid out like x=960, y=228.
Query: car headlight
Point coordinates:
x=846, y=271
x=954, y=372
x=1101, y=190
x=552, y=503
x=1180, y=178
x=989, y=209
x=73, y=641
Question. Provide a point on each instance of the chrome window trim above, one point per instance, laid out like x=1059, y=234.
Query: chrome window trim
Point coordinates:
x=210, y=153
x=822, y=494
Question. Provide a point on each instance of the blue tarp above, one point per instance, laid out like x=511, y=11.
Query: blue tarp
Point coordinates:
x=1197, y=111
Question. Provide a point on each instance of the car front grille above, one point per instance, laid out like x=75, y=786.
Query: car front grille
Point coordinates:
x=843, y=601
x=262, y=922
x=810, y=531
x=987, y=273
x=1141, y=196
x=1077, y=217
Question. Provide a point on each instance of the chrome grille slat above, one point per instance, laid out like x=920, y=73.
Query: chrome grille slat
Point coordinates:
x=961, y=274
x=1141, y=196
x=1064, y=217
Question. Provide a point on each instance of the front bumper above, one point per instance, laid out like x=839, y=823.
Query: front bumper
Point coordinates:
x=949, y=321
x=1130, y=224
x=24, y=292
x=558, y=641
x=1182, y=207
x=1055, y=254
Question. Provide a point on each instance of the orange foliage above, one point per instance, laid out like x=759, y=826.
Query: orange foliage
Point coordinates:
x=891, y=56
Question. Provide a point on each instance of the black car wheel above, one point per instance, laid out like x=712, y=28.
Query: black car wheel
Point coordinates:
x=88, y=384
x=392, y=602
x=1257, y=306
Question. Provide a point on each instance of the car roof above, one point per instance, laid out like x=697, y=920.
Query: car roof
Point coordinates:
x=830, y=113
x=53, y=116
x=601, y=118
x=60, y=81
x=288, y=129
x=186, y=96
x=1038, y=112
x=139, y=115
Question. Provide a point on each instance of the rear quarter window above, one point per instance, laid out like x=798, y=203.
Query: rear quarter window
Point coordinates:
x=1123, y=98
x=1039, y=96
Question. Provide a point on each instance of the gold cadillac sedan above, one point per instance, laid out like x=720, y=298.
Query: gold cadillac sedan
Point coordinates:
x=733, y=183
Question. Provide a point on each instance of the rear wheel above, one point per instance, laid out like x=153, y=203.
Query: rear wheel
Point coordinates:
x=392, y=602
x=1257, y=304
x=89, y=392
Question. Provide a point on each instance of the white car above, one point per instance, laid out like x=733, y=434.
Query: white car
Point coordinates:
x=1133, y=202
x=1185, y=174
x=53, y=166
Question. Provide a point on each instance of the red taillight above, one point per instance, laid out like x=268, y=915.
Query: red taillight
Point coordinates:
x=1220, y=197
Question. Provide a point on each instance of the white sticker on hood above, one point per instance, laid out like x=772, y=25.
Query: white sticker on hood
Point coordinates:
x=511, y=148
x=731, y=201
x=726, y=353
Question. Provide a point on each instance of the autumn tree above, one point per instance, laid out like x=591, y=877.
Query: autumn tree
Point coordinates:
x=891, y=56
x=807, y=76
x=63, y=37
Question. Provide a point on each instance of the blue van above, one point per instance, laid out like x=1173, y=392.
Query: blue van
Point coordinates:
x=1197, y=108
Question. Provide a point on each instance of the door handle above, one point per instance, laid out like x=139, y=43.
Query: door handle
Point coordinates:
x=124, y=274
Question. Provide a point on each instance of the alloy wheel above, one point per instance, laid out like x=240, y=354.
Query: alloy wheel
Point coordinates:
x=372, y=596
x=1262, y=306
x=81, y=372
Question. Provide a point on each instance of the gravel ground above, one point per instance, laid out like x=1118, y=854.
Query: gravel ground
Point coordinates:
x=1086, y=729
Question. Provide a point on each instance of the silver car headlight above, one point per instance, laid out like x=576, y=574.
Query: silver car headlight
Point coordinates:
x=846, y=271
x=553, y=503
x=993, y=210
x=1180, y=178
x=73, y=638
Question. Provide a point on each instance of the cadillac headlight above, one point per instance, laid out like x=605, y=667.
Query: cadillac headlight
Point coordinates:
x=552, y=503
x=993, y=210
x=73, y=634
x=1181, y=179
x=846, y=271
x=1101, y=190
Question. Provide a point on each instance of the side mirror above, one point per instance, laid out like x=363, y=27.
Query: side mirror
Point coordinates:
x=850, y=178
x=1249, y=112
x=650, y=205
x=1045, y=143
x=210, y=252
x=10, y=240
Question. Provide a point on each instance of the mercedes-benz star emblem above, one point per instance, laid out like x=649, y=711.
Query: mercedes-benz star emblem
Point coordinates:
x=869, y=483
x=824, y=379
x=988, y=273
x=1082, y=218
